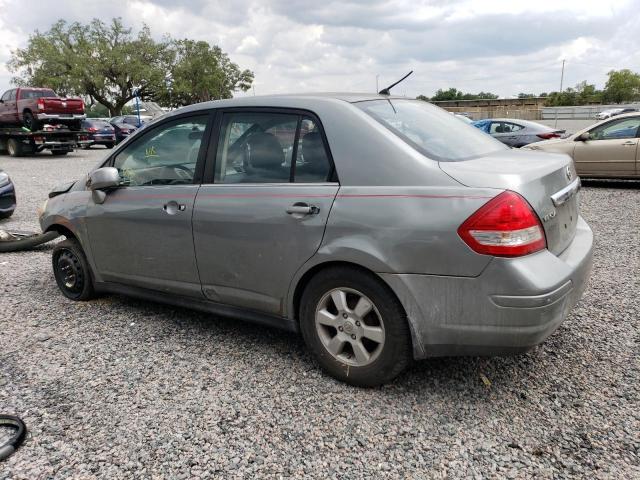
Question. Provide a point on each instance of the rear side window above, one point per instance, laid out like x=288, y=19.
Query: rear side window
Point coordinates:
x=256, y=147
x=430, y=130
x=30, y=94
x=12, y=95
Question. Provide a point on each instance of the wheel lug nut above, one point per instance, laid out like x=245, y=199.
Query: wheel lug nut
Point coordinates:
x=353, y=336
x=344, y=315
x=340, y=328
x=357, y=324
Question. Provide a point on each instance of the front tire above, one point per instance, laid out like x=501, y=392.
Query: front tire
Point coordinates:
x=355, y=327
x=72, y=272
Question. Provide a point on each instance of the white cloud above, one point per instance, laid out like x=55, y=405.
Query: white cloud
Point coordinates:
x=296, y=45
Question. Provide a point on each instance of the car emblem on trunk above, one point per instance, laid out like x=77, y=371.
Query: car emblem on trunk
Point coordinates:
x=569, y=172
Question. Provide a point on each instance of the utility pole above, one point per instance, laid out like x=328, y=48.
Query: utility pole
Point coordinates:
x=377, y=89
x=561, y=81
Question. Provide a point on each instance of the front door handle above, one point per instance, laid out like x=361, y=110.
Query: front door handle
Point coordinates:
x=301, y=209
x=174, y=207
x=630, y=143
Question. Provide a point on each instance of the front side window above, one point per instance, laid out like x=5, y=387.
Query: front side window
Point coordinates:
x=6, y=95
x=166, y=155
x=431, y=130
x=256, y=147
x=623, y=128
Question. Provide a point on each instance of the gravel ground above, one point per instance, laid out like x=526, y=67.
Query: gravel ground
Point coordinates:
x=120, y=388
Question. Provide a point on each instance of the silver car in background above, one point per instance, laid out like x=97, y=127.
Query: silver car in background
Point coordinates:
x=517, y=133
x=381, y=228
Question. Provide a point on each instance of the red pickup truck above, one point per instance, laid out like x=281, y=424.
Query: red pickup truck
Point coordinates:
x=35, y=107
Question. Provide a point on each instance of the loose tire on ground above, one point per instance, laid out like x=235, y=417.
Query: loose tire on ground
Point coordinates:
x=72, y=272
x=324, y=324
x=24, y=240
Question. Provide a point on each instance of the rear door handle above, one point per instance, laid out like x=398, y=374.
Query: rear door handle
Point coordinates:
x=301, y=209
x=629, y=143
x=173, y=207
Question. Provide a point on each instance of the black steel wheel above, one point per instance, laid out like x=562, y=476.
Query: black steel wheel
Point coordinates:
x=71, y=271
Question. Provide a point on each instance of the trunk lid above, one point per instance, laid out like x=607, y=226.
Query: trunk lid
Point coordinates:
x=55, y=105
x=537, y=177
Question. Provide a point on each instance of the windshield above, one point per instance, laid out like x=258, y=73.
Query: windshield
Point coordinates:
x=430, y=130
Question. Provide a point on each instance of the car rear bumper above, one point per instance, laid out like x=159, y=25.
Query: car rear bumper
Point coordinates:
x=61, y=116
x=515, y=304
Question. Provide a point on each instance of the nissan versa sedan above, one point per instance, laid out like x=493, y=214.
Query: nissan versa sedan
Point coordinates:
x=517, y=133
x=381, y=228
x=608, y=149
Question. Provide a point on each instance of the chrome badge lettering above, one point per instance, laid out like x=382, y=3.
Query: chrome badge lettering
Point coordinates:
x=549, y=216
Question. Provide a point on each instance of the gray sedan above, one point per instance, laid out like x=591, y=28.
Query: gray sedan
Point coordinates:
x=381, y=228
x=517, y=133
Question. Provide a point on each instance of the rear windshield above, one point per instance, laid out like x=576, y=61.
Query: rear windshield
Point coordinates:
x=25, y=94
x=431, y=130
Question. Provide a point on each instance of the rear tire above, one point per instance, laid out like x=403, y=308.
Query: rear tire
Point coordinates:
x=109, y=145
x=363, y=338
x=30, y=121
x=72, y=272
x=58, y=153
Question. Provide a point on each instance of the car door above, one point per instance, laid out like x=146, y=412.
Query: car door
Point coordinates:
x=141, y=235
x=611, y=149
x=8, y=107
x=263, y=210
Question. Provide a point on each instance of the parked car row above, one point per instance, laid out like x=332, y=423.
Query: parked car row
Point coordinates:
x=608, y=149
x=110, y=132
x=612, y=112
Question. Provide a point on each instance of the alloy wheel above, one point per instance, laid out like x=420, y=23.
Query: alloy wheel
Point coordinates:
x=350, y=327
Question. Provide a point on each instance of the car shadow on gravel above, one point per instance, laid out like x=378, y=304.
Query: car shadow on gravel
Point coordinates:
x=446, y=375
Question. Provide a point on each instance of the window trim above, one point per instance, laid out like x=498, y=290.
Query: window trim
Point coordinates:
x=210, y=164
x=204, y=144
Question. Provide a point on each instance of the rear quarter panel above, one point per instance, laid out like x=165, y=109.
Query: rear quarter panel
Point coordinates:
x=404, y=229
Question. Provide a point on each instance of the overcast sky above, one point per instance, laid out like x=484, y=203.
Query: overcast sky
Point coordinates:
x=504, y=47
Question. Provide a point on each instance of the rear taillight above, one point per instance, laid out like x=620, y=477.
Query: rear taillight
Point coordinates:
x=549, y=135
x=92, y=129
x=506, y=226
x=41, y=104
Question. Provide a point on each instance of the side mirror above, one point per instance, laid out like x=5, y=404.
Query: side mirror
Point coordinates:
x=102, y=179
x=1, y=101
x=583, y=137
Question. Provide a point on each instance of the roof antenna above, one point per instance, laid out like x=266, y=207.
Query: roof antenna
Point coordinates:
x=387, y=91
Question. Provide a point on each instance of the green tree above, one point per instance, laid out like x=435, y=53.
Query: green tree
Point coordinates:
x=455, y=94
x=622, y=86
x=106, y=62
x=582, y=94
x=201, y=72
